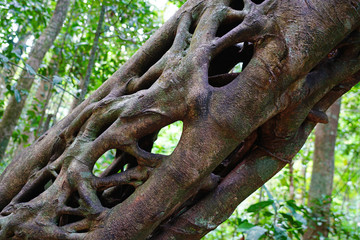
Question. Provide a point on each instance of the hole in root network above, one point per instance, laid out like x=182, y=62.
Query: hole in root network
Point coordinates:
x=38, y=187
x=168, y=138
x=227, y=65
x=258, y=1
x=237, y=4
x=112, y=162
x=115, y=195
x=104, y=161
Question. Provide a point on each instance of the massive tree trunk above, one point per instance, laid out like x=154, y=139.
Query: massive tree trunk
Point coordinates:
x=239, y=128
x=322, y=175
x=41, y=46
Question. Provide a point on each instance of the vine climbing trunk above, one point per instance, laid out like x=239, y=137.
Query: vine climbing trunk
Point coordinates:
x=41, y=46
x=322, y=175
x=240, y=128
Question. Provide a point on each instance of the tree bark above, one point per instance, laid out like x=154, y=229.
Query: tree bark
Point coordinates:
x=42, y=45
x=303, y=189
x=84, y=84
x=322, y=175
x=239, y=128
x=8, y=74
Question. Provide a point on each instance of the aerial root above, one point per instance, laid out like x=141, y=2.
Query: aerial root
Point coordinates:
x=210, y=182
x=182, y=35
x=273, y=155
x=80, y=211
x=317, y=116
x=181, y=41
x=143, y=157
x=137, y=174
x=90, y=199
x=69, y=133
x=81, y=225
x=234, y=15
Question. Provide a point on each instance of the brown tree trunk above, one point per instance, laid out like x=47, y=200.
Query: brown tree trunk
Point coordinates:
x=8, y=74
x=42, y=45
x=303, y=190
x=84, y=83
x=291, y=182
x=239, y=128
x=322, y=175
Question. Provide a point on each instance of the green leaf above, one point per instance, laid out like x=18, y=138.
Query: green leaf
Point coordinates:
x=270, y=196
x=3, y=58
x=17, y=95
x=260, y=205
x=255, y=233
x=17, y=53
x=280, y=234
x=56, y=80
x=268, y=214
x=244, y=226
x=29, y=69
x=24, y=137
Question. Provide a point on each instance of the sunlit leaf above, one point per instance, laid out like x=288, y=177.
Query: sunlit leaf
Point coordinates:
x=4, y=59
x=260, y=205
x=29, y=69
x=255, y=233
x=56, y=80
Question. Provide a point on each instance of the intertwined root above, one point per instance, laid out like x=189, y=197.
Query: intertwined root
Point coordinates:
x=187, y=71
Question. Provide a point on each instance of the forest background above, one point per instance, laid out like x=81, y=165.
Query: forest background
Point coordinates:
x=94, y=40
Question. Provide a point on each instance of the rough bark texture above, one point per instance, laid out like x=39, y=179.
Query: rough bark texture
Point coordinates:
x=239, y=128
x=322, y=174
x=41, y=46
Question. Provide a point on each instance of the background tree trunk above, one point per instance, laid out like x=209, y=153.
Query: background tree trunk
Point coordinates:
x=84, y=83
x=8, y=74
x=239, y=128
x=322, y=174
x=41, y=46
x=291, y=182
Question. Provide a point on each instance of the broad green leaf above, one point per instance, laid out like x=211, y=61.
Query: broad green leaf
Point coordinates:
x=29, y=69
x=260, y=205
x=4, y=59
x=255, y=233
x=280, y=234
x=244, y=226
x=56, y=80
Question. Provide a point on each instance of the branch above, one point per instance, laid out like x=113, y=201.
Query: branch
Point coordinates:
x=42, y=77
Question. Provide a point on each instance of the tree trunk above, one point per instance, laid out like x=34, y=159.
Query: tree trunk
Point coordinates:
x=85, y=81
x=322, y=175
x=303, y=189
x=42, y=45
x=239, y=128
x=291, y=182
x=7, y=75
